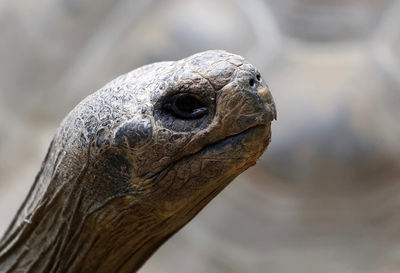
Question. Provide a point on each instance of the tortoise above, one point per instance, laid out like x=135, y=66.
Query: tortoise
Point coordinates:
x=135, y=161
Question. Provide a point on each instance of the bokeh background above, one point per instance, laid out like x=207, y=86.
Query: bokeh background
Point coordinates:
x=326, y=195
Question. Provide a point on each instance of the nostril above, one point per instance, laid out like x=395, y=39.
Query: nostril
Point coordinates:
x=252, y=82
x=258, y=77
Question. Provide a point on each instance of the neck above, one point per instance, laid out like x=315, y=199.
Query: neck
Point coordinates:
x=109, y=239
x=67, y=227
x=71, y=225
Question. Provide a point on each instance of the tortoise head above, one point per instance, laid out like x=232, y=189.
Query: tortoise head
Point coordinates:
x=193, y=126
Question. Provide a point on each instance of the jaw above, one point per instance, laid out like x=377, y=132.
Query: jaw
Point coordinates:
x=214, y=166
x=229, y=157
x=190, y=184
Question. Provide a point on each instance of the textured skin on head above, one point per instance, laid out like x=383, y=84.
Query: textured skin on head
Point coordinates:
x=123, y=174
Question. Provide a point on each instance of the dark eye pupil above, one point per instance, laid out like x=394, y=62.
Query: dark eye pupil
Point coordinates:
x=186, y=106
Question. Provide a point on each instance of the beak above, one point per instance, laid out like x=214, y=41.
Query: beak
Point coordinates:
x=268, y=100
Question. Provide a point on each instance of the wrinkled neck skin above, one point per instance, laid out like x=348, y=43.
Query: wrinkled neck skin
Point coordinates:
x=122, y=175
x=116, y=235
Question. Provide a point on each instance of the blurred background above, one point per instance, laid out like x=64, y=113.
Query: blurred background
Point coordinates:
x=325, y=197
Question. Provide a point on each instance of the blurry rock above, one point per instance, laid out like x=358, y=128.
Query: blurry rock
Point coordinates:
x=328, y=20
x=39, y=42
x=386, y=43
x=337, y=119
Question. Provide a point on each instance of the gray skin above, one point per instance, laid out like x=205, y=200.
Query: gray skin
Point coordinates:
x=125, y=170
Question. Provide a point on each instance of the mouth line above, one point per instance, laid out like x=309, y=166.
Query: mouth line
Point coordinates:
x=206, y=148
x=224, y=141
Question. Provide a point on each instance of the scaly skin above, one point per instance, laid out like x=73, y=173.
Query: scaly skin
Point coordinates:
x=123, y=173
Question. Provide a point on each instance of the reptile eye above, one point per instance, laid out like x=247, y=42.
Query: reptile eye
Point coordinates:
x=186, y=106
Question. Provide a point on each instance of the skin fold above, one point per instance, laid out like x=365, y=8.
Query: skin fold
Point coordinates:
x=124, y=172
